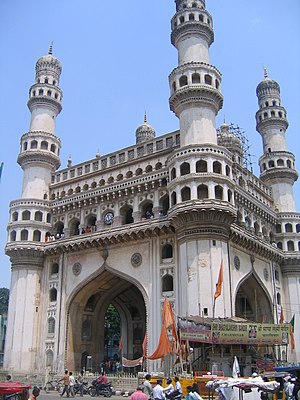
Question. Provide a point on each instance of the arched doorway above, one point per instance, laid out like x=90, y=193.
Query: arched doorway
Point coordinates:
x=252, y=301
x=86, y=334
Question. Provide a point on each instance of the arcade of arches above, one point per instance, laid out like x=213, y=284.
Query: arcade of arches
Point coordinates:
x=88, y=314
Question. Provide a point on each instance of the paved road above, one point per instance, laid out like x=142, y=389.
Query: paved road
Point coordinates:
x=56, y=396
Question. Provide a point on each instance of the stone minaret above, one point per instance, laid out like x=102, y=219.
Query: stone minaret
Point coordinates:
x=195, y=83
x=40, y=148
x=30, y=218
x=277, y=165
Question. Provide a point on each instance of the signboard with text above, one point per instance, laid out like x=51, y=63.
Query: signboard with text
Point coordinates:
x=246, y=333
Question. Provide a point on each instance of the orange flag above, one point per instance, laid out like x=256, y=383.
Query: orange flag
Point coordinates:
x=219, y=283
x=164, y=346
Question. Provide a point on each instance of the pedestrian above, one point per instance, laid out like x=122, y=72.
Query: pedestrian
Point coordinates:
x=71, y=384
x=35, y=393
x=190, y=395
x=148, y=389
x=289, y=388
x=158, y=391
x=8, y=378
x=139, y=394
x=80, y=382
x=66, y=381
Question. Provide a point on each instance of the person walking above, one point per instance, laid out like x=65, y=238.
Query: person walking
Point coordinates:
x=80, y=382
x=66, y=381
x=148, y=389
x=71, y=384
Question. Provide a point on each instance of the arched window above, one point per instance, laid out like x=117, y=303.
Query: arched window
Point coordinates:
x=13, y=236
x=49, y=360
x=174, y=86
x=248, y=223
x=298, y=228
x=85, y=188
x=15, y=216
x=181, y=19
x=102, y=182
x=173, y=173
x=217, y=168
x=158, y=166
x=52, y=295
x=148, y=168
x=217, y=84
x=44, y=145
x=51, y=325
x=229, y=195
x=256, y=228
x=191, y=17
x=208, y=79
x=77, y=189
x=218, y=192
x=278, y=228
x=38, y=216
x=74, y=227
x=37, y=236
x=185, y=168
x=120, y=177
x=59, y=229
x=167, y=251
x=201, y=18
x=288, y=163
x=227, y=170
x=26, y=215
x=54, y=269
x=278, y=296
x=201, y=166
x=289, y=227
x=173, y=199
x=33, y=144
x=298, y=246
x=202, y=192
x=139, y=171
x=91, y=222
x=271, y=164
x=167, y=283
x=49, y=93
x=290, y=245
x=24, y=234
x=147, y=211
x=186, y=194
x=279, y=245
x=195, y=78
x=183, y=81
x=128, y=216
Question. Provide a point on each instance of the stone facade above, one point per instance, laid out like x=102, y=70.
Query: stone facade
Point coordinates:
x=152, y=220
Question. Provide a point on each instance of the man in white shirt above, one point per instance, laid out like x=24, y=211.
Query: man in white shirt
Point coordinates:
x=158, y=391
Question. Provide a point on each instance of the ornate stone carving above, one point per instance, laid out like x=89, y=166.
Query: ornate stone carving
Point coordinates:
x=136, y=259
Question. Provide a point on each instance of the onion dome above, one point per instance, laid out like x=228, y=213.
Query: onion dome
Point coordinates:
x=144, y=132
x=48, y=64
x=227, y=138
x=267, y=85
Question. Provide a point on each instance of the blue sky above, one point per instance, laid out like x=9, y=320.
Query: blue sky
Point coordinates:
x=116, y=57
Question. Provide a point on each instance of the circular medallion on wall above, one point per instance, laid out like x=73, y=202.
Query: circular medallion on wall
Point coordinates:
x=266, y=274
x=76, y=269
x=136, y=259
x=236, y=262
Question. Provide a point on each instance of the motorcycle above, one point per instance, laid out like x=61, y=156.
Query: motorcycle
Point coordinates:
x=85, y=387
x=97, y=389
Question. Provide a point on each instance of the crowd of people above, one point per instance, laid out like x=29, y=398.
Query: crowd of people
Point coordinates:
x=156, y=391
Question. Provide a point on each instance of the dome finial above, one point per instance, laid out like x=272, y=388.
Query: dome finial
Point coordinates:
x=50, y=48
x=145, y=117
x=266, y=73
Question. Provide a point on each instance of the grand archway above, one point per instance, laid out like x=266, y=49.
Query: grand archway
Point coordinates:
x=252, y=301
x=85, y=344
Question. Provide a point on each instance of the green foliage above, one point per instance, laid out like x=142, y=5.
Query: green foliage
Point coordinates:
x=4, y=297
x=112, y=323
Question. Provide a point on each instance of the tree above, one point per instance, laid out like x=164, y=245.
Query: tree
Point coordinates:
x=4, y=298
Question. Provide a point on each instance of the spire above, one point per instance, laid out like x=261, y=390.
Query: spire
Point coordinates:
x=145, y=117
x=50, y=48
x=266, y=76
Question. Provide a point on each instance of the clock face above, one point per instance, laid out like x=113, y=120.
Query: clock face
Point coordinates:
x=108, y=218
